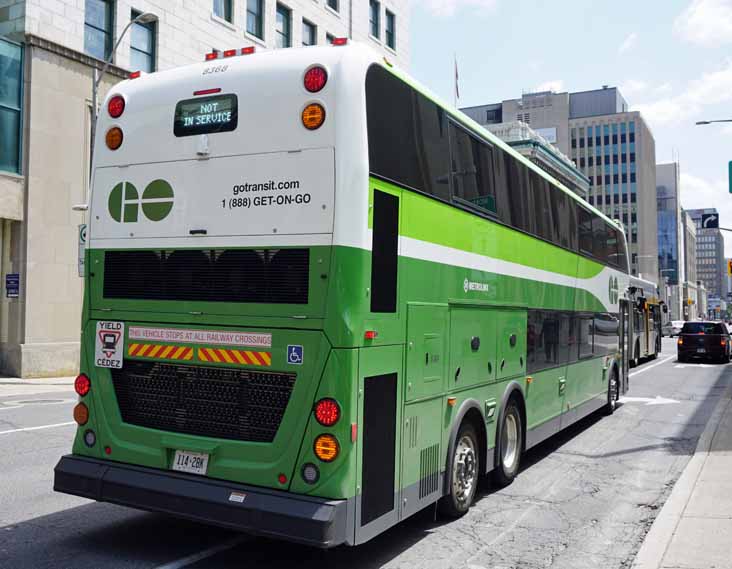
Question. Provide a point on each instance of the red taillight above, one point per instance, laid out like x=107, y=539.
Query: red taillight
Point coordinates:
x=116, y=106
x=724, y=342
x=248, y=50
x=207, y=92
x=135, y=74
x=327, y=412
x=229, y=53
x=370, y=335
x=315, y=79
x=82, y=385
x=212, y=55
x=680, y=341
x=340, y=41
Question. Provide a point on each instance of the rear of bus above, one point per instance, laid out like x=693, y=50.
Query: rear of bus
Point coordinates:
x=209, y=388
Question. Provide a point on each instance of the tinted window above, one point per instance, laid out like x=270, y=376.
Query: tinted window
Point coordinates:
x=407, y=135
x=584, y=336
x=546, y=340
x=472, y=170
x=599, y=238
x=703, y=328
x=584, y=224
x=516, y=211
x=605, y=327
x=545, y=224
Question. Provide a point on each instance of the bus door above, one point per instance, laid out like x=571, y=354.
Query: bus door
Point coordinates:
x=626, y=337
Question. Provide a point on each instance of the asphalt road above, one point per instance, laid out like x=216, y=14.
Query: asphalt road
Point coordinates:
x=585, y=498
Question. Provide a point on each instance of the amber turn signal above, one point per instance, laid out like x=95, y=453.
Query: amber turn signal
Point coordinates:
x=81, y=414
x=114, y=138
x=313, y=116
x=326, y=448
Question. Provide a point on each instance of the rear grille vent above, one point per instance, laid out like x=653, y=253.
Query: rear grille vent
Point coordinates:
x=428, y=470
x=223, y=403
x=274, y=276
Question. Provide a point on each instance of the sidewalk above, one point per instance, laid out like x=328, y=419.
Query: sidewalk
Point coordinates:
x=694, y=528
x=15, y=386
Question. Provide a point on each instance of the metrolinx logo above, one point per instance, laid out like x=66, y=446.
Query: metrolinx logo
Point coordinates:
x=613, y=290
x=157, y=201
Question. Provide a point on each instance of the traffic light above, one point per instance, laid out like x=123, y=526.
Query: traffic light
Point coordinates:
x=729, y=267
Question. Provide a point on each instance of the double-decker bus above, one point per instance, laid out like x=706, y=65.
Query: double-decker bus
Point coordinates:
x=646, y=310
x=319, y=300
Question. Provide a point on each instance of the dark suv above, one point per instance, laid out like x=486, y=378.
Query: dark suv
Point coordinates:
x=704, y=340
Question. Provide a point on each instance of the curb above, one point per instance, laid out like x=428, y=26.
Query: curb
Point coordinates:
x=657, y=540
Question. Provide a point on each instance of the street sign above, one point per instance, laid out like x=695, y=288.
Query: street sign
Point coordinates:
x=12, y=285
x=82, y=247
x=710, y=221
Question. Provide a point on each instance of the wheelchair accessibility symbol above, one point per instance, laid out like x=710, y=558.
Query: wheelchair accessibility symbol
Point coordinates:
x=294, y=355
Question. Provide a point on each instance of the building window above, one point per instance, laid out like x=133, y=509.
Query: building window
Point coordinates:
x=98, y=28
x=390, y=30
x=309, y=33
x=375, y=18
x=11, y=70
x=255, y=16
x=333, y=4
x=142, y=46
x=283, y=27
x=222, y=9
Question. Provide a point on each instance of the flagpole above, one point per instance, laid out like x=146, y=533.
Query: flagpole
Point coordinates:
x=456, y=90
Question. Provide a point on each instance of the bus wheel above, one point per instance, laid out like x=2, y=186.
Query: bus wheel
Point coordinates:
x=465, y=473
x=613, y=394
x=509, y=446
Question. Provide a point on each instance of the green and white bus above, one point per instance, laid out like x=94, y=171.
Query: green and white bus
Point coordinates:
x=318, y=300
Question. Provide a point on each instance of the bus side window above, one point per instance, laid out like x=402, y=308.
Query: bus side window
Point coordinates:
x=384, y=252
x=472, y=170
x=585, y=230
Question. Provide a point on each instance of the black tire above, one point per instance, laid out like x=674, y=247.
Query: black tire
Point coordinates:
x=465, y=464
x=613, y=394
x=508, y=451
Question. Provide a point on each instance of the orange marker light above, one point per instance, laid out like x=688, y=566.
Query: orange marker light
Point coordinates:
x=326, y=448
x=451, y=401
x=114, y=138
x=81, y=414
x=313, y=116
x=529, y=380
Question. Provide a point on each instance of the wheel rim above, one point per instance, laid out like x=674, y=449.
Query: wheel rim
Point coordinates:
x=509, y=442
x=464, y=470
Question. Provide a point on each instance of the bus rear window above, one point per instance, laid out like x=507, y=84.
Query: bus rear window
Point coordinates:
x=206, y=115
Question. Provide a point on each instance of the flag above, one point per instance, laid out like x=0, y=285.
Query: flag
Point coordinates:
x=457, y=81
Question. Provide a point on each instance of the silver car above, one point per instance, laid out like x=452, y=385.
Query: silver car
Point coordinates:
x=672, y=328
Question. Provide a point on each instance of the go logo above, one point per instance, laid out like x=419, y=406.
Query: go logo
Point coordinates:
x=125, y=202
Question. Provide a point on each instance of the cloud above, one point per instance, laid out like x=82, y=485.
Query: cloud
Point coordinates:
x=449, y=7
x=633, y=87
x=628, y=43
x=555, y=86
x=711, y=88
x=707, y=23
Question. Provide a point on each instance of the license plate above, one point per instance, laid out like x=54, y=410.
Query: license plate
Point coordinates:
x=701, y=351
x=192, y=462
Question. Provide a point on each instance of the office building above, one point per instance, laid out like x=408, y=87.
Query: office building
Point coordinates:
x=689, y=291
x=613, y=147
x=670, y=235
x=49, y=52
x=710, y=261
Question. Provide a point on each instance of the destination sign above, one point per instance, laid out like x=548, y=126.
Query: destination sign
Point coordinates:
x=206, y=115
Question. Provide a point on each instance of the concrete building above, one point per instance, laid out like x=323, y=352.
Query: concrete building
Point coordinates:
x=543, y=153
x=49, y=51
x=688, y=285
x=710, y=260
x=613, y=147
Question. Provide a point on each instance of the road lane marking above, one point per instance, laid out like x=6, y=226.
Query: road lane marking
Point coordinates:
x=37, y=428
x=6, y=405
x=206, y=553
x=652, y=366
x=657, y=400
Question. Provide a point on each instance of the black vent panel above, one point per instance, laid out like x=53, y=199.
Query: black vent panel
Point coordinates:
x=240, y=405
x=269, y=276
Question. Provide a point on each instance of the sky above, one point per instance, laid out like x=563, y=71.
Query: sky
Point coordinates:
x=671, y=60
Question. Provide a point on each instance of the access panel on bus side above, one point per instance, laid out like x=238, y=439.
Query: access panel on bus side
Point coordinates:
x=426, y=345
x=472, y=346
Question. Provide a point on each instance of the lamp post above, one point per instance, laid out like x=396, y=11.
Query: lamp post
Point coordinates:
x=710, y=122
x=145, y=18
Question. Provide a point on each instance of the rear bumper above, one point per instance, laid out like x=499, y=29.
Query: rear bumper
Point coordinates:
x=713, y=352
x=311, y=521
